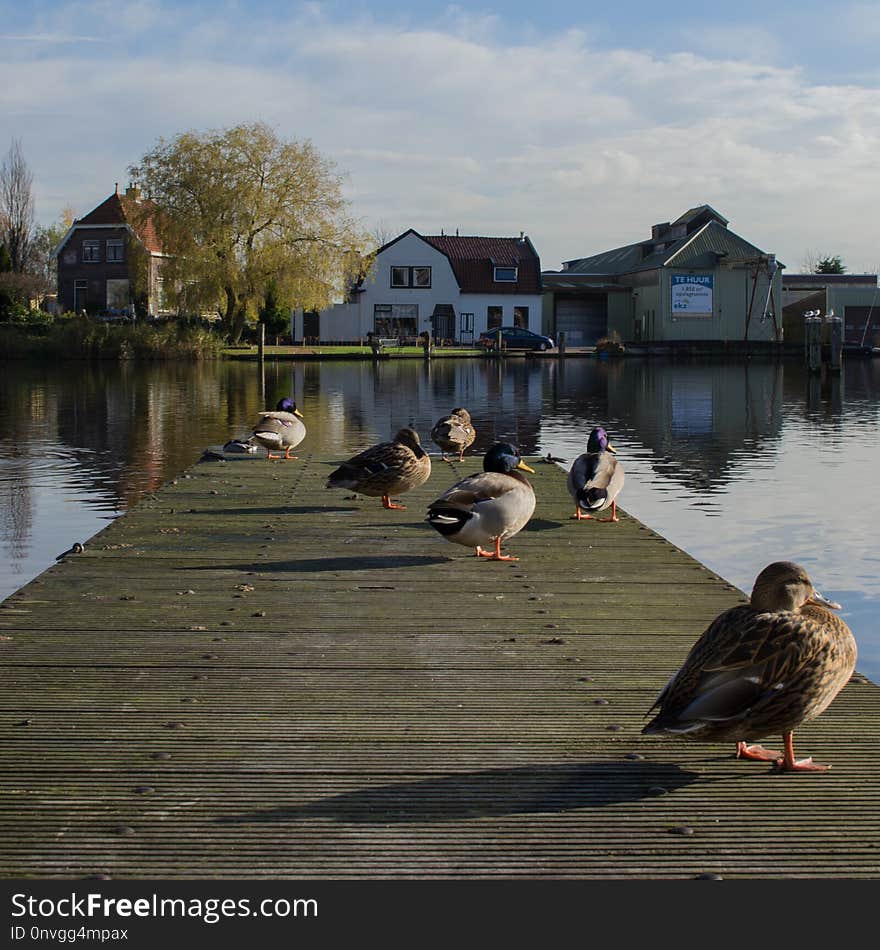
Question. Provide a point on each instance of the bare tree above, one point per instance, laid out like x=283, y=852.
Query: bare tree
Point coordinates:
x=382, y=233
x=16, y=208
x=809, y=261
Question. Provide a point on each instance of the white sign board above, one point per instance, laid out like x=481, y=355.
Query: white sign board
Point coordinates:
x=692, y=295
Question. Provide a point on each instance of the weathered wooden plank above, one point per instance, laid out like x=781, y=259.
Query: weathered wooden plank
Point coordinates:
x=251, y=676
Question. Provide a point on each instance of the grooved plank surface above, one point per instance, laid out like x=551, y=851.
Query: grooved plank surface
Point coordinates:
x=250, y=676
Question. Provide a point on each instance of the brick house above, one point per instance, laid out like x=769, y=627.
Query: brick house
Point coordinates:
x=109, y=261
x=454, y=287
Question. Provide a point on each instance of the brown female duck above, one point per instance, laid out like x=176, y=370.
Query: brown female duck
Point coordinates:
x=386, y=469
x=762, y=668
x=454, y=433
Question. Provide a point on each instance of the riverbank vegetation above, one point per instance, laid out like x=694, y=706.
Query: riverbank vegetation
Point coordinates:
x=38, y=335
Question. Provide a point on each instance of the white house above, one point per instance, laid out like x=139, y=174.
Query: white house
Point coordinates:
x=453, y=287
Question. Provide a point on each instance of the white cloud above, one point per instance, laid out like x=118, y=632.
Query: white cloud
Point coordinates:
x=584, y=148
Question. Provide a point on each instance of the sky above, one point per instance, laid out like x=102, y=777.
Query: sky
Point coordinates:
x=581, y=124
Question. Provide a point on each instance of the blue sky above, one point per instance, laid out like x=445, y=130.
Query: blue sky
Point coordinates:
x=580, y=124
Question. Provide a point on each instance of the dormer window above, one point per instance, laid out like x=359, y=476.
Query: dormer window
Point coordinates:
x=419, y=277
x=505, y=275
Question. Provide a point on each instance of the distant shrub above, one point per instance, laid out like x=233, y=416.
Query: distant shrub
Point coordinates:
x=80, y=337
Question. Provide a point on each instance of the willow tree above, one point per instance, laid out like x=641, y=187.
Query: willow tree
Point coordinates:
x=237, y=210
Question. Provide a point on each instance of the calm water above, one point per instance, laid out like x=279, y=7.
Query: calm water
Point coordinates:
x=737, y=464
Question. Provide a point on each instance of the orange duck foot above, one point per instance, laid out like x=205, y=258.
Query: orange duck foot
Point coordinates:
x=788, y=763
x=756, y=752
x=495, y=555
x=613, y=514
x=580, y=516
x=388, y=503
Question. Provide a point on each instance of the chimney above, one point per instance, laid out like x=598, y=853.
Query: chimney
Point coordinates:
x=133, y=191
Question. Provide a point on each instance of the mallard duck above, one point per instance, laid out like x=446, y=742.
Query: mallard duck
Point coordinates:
x=281, y=428
x=386, y=469
x=454, y=433
x=76, y=548
x=596, y=478
x=761, y=668
x=488, y=507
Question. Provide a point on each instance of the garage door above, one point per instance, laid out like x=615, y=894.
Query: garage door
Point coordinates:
x=861, y=326
x=584, y=320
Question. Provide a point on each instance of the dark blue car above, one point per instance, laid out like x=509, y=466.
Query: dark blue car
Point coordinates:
x=517, y=338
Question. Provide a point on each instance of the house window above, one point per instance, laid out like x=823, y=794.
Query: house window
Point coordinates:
x=521, y=317
x=493, y=318
x=395, y=320
x=505, y=274
x=91, y=251
x=114, y=249
x=419, y=277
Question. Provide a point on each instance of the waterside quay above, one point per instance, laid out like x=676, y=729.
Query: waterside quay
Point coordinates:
x=250, y=676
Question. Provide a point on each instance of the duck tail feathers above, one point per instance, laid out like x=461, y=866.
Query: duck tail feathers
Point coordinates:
x=660, y=727
x=592, y=498
x=448, y=519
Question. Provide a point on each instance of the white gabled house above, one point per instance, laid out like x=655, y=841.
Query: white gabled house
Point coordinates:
x=454, y=287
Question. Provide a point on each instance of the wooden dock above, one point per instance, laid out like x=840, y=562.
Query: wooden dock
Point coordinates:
x=249, y=676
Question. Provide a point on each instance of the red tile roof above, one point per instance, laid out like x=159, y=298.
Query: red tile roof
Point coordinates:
x=125, y=209
x=473, y=260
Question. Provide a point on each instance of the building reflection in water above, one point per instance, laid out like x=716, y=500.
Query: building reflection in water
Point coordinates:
x=742, y=442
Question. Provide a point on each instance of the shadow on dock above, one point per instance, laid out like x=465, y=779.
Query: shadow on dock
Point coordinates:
x=490, y=794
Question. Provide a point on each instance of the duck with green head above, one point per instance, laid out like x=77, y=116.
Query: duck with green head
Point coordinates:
x=489, y=507
x=280, y=428
x=596, y=478
x=761, y=668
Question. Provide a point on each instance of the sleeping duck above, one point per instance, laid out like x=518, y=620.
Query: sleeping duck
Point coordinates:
x=454, y=433
x=487, y=508
x=386, y=469
x=596, y=478
x=281, y=428
x=761, y=668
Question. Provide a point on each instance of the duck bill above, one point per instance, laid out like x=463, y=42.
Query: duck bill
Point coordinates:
x=610, y=448
x=525, y=467
x=820, y=600
x=296, y=412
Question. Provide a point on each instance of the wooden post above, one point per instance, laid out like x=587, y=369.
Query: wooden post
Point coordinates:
x=261, y=341
x=560, y=343
x=813, y=343
x=836, y=343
